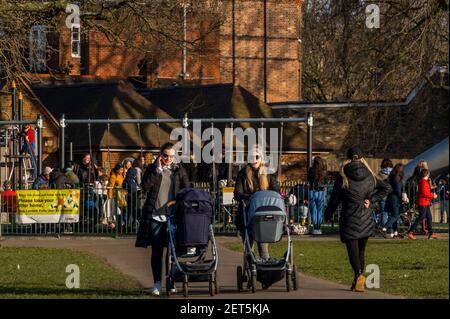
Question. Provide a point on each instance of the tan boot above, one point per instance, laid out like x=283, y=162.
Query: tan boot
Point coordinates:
x=360, y=283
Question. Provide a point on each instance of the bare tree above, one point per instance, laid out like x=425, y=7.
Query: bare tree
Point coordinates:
x=343, y=59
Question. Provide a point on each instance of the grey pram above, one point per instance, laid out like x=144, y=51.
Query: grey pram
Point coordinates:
x=265, y=220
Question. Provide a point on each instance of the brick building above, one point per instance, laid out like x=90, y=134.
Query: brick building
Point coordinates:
x=256, y=46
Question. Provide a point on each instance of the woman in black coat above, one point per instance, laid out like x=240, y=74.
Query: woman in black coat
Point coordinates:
x=357, y=188
x=394, y=200
x=252, y=178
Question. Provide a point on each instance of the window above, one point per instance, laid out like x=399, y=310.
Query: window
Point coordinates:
x=76, y=41
x=38, y=48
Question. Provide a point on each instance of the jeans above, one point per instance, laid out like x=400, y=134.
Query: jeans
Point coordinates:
x=158, y=242
x=384, y=213
x=263, y=248
x=316, y=204
x=424, y=211
x=393, y=218
x=444, y=209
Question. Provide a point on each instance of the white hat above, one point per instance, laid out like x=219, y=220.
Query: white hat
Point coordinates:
x=255, y=150
x=47, y=170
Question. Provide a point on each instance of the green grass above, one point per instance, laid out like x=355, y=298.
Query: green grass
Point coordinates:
x=41, y=273
x=415, y=269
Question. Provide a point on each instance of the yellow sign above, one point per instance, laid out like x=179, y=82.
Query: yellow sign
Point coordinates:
x=48, y=206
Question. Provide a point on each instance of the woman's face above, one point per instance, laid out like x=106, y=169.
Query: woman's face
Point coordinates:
x=128, y=165
x=255, y=161
x=167, y=157
x=86, y=160
x=120, y=171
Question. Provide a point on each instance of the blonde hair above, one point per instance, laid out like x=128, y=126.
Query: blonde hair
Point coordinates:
x=262, y=178
x=345, y=178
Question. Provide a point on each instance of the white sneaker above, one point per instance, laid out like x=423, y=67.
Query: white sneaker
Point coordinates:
x=384, y=230
x=319, y=232
x=173, y=290
x=395, y=233
x=391, y=235
x=156, y=289
x=191, y=250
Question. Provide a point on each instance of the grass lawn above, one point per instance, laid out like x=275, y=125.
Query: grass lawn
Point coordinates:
x=41, y=273
x=415, y=269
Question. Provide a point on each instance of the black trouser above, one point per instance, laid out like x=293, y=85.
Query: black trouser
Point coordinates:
x=424, y=211
x=356, y=250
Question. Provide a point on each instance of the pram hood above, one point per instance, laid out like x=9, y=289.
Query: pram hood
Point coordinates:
x=193, y=194
x=265, y=203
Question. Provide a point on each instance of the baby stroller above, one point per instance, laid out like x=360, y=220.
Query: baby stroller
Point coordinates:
x=265, y=221
x=190, y=234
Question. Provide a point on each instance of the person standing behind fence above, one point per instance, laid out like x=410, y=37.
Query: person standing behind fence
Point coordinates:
x=8, y=198
x=424, y=197
x=127, y=164
x=72, y=178
x=131, y=186
x=394, y=200
x=42, y=181
x=86, y=170
x=58, y=179
x=358, y=189
x=116, y=179
x=316, y=178
x=383, y=174
x=101, y=191
x=161, y=182
x=443, y=198
x=139, y=165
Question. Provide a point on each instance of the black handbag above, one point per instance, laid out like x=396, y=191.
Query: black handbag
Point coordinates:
x=143, y=238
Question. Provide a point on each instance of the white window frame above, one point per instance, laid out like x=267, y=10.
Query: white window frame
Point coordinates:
x=75, y=40
x=38, y=48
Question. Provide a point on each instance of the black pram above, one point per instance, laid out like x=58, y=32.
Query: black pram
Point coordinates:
x=190, y=233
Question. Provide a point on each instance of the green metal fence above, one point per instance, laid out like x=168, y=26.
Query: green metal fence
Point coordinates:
x=103, y=214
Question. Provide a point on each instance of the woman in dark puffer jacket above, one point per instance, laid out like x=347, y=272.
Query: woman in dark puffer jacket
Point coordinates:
x=358, y=189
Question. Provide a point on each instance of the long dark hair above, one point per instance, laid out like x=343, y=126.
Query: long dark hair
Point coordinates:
x=398, y=172
x=319, y=168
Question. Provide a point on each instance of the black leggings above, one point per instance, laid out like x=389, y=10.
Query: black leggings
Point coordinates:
x=356, y=250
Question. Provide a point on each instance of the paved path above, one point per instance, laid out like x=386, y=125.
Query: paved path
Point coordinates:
x=135, y=262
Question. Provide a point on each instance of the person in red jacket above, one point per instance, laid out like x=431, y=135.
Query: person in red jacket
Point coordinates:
x=424, y=197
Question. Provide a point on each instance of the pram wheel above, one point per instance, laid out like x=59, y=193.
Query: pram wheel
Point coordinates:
x=185, y=289
x=211, y=286
x=216, y=284
x=295, y=277
x=167, y=287
x=288, y=278
x=239, y=278
x=253, y=278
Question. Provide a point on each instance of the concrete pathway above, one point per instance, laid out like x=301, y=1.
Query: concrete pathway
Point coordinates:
x=135, y=262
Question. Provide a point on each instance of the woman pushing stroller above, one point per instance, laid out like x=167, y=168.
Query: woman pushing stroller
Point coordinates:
x=252, y=178
x=161, y=182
